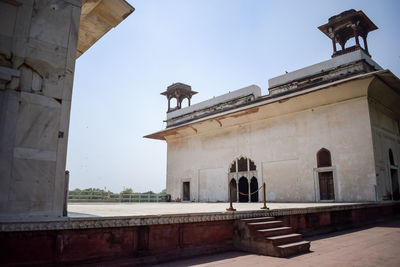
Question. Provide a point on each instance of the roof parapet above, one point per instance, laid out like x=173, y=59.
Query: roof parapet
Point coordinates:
x=339, y=67
x=217, y=104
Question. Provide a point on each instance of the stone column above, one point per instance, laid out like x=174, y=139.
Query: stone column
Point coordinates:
x=365, y=43
x=334, y=45
x=38, y=50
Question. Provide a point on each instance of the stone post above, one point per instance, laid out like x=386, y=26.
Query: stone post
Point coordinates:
x=66, y=189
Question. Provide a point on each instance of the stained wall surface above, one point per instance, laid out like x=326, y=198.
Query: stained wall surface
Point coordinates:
x=385, y=116
x=38, y=41
x=282, y=138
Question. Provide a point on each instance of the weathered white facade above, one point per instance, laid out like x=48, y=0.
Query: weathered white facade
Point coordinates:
x=283, y=138
x=345, y=109
x=384, y=112
x=39, y=43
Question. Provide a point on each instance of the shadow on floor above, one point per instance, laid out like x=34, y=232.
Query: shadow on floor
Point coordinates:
x=392, y=223
x=230, y=255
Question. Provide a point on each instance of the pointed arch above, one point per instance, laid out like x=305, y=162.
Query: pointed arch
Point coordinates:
x=325, y=178
x=242, y=164
x=233, y=167
x=252, y=166
x=254, y=188
x=324, y=158
x=243, y=175
x=244, y=189
x=185, y=102
x=173, y=101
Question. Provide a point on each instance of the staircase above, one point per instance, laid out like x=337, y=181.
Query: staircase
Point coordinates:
x=269, y=237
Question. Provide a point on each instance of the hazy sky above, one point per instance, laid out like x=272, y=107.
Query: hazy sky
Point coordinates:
x=215, y=46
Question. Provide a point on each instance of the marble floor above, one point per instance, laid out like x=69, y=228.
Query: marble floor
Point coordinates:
x=132, y=209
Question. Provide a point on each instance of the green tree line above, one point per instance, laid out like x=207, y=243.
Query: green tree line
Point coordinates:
x=126, y=195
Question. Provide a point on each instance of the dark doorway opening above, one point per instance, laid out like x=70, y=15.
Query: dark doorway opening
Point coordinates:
x=186, y=191
x=326, y=189
x=233, y=188
x=324, y=158
x=395, y=184
x=394, y=177
x=325, y=178
x=253, y=188
x=243, y=188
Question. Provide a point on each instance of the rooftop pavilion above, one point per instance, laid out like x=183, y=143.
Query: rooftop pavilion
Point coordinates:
x=345, y=63
x=348, y=24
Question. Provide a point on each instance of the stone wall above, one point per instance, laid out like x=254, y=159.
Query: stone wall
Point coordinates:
x=154, y=239
x=142, y=244
x=385, y=124
x=38, y=41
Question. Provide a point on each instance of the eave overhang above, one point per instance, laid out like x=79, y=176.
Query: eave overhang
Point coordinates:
x=97, y=18
x=385, y=75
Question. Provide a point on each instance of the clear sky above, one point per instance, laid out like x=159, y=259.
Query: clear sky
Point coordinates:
x=214, y=46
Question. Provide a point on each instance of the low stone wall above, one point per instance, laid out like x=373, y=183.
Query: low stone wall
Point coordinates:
x=142, y=244
x=152, y=239
x=323, y=222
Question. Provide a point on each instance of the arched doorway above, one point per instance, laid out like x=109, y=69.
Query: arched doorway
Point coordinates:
x=233, y=187
x=243, y=188
x=325, y=178
x=253, y=188
x=394, y=177
x=240, y=171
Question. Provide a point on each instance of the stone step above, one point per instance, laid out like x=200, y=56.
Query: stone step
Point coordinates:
x=258, y=219
x=295, y=248
x=275, y=231
x=284, y=239
x=265, y=225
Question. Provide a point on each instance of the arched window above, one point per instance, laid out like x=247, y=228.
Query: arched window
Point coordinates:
x=233, y=167
x=185, y=102
x=324, y=158
x=242, y=164
x=252, y=165
x=173, y=102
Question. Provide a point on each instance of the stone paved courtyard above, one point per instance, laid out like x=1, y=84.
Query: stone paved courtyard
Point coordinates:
x=132, y=209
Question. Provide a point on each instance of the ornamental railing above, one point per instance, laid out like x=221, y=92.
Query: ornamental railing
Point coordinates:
x=96, y=196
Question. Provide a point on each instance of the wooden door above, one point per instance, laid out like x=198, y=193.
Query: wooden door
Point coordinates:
x=326, y=188
x=186, y=191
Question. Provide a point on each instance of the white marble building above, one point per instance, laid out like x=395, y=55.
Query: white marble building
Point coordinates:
x=327, y=132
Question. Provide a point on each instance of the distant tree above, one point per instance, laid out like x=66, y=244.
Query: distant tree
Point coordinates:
x=164, y=191
x=148, y=192
x=127, y=191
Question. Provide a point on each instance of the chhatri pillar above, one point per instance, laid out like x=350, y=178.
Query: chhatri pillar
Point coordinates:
x=346, y=25
x=179, y=91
